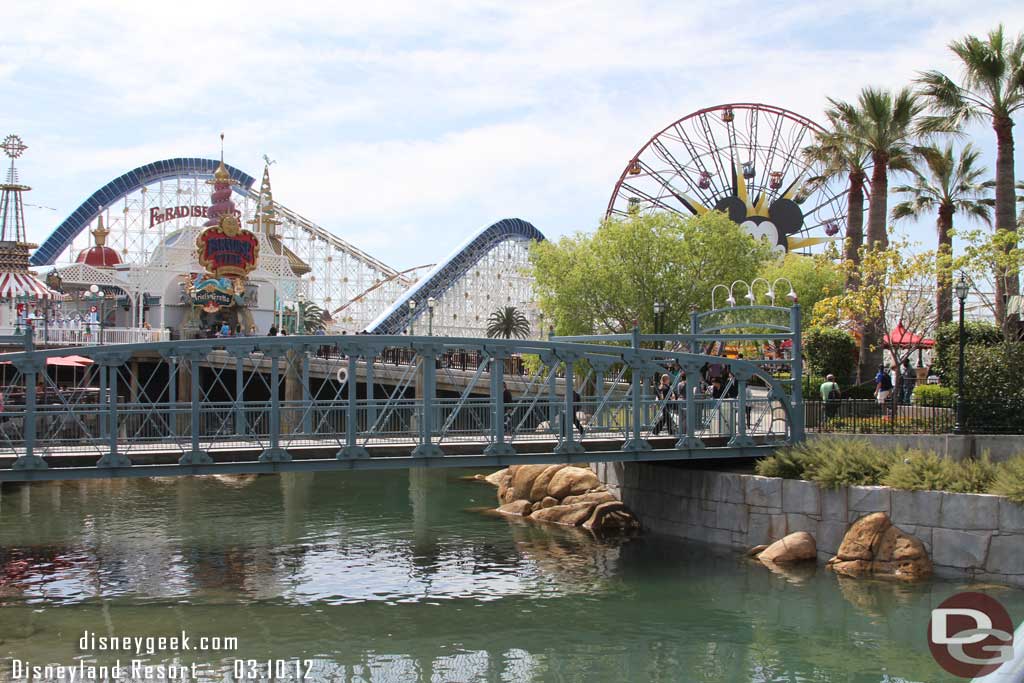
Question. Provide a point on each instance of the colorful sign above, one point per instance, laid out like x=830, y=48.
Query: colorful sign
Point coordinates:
x=213, y=293
x=158, y=215
x=227, y=250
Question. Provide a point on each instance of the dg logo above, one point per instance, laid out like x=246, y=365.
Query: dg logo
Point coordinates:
x=970, y=635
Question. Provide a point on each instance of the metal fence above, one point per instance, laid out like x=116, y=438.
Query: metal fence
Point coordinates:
x=992, y=416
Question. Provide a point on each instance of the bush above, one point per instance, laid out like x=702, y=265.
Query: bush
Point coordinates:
x=976, y=334
x=1009, y=479
x=830, y=350
x=829, y=462
x=934, y=395
x=919, y=471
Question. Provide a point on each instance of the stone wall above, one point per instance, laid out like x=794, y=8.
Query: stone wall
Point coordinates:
x=972, y=535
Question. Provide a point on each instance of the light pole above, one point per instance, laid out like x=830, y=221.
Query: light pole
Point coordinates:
x=431, y=302
x=961, y=288
x=300, y=324
x=412, y=317
x=659, y=321
x=96, y=295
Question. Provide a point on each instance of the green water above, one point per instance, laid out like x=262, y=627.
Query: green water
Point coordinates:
x=390, y=577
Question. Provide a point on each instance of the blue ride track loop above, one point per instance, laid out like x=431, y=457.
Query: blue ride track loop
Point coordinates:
x=395, y=318
x=62, y=237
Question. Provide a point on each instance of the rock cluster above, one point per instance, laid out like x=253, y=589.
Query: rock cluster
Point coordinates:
x=796, y=547
x=560, y=494
x=874, y=546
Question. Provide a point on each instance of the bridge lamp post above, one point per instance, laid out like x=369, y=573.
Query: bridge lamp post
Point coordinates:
x=412, y=317
x=961, y=289
x=300, y=323
x=659, y=321
x=96, y=295
x=431, y=303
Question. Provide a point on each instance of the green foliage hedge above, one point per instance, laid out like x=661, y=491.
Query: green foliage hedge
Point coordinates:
x=934, y=395
x=976, y=334
x=834, y=463
x=830, y=351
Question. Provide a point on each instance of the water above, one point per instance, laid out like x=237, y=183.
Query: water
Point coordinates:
x=390, y=577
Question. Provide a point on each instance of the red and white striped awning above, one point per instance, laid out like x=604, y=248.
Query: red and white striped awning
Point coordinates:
x=22, y=284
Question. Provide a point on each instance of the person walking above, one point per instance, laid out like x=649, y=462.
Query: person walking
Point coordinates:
x=909, y=378
x=883, y=387
x=830, y=394
x=507, y=401
x=665, y=394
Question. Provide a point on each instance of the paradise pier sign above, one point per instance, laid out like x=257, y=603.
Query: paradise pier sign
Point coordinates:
x=226, y=250
x=158, y=215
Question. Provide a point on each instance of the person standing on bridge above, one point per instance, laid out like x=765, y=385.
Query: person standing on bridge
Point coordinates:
x=665, y=394
x=507, y=401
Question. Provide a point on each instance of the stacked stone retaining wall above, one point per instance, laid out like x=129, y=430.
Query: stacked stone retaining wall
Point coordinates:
x=973, y=535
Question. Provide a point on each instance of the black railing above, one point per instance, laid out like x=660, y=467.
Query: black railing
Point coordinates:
x=853, y=416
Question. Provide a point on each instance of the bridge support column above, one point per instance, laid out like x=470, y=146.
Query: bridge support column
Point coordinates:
x=352, y=448
x=101, y=424
x=184, y=389
x=796, y=375
x=568, y=445
x=740, y=438
x=195, y=455
x=307, y=404
x=552, y=395
x=172, y=395
x=30, y=370
x=498, y=445
x=112, y=458
x=637, y=366
x=274, y=452
x=689, y=439
x=371, y=402
x=428, y=363
x=240, y=426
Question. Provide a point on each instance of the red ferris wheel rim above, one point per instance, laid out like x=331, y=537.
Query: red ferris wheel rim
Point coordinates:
x=785, y=113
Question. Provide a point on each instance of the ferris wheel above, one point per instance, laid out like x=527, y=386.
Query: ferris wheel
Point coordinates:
x=745, y=160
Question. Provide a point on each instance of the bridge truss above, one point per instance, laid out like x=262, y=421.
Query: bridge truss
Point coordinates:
x=318, y=403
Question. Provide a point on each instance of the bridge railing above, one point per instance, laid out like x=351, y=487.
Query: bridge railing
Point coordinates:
x=56, y=335
x=132, y=403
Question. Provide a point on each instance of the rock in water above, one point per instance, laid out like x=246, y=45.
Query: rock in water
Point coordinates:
x=496, y=478
x=570, y=481
x=570, y=515
x=796, y=547
x=518, y=508
x=539, y=490
x=522, y=480
x=592, y=497
x=873, y=546
x=548, y=502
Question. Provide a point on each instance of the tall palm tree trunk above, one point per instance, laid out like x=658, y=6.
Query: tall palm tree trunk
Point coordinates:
x=943, y=274
x=854, y=220
x=1007, y=280
x=879, y=206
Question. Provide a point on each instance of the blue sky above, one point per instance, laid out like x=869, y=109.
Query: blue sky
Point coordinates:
x=403, y=126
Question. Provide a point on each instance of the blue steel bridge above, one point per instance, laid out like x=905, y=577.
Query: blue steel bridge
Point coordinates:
x=315, y=403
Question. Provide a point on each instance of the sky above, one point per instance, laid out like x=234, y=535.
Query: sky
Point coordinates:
x=405, y=126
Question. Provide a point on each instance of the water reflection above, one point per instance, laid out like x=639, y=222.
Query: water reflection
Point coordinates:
x=387, y=577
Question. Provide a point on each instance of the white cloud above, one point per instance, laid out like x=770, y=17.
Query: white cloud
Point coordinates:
x=405, y=125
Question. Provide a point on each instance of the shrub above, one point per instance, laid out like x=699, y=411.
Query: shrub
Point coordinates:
x=830, y=350
x=863, y=466
x=787, y=463
x=934, y=395
x=976, y=334
x=1009, y=479
x=928, y=472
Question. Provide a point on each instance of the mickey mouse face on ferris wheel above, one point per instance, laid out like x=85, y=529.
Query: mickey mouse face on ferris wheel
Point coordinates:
x=774, y=226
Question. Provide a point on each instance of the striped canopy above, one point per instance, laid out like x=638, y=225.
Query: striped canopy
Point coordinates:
x=23, y=284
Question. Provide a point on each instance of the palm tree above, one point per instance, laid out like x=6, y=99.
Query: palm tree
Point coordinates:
x=953, y=186
x=1020, y=200
x=312, y=318
x=885, y=125
x=837, y=154
x=508, y=322
x=991, y=89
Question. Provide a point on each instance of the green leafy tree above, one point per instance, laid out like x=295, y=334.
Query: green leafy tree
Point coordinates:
x=885, y=125
x=604, y=281
x=895, y=285
x=953, y=186
x=991, y=88
x=508, y=322
x=947, y=339
x=813, y=277
x=830, y=351
x=837, y=153
x=986, y=253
